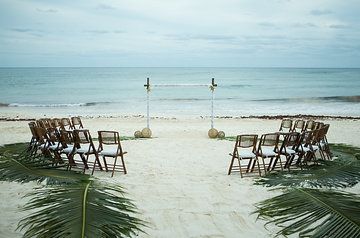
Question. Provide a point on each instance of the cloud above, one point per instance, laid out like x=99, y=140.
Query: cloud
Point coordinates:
x=318, y=12
x=188, y=37
x=22, y=29
x=100, y=32
x=266, y=24
x=97, y=31
x=304, y=25
x=48, y=10
x=338, y=26
x=105, y=7
x=30, y=31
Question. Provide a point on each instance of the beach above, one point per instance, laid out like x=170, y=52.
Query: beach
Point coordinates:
x=178, y=178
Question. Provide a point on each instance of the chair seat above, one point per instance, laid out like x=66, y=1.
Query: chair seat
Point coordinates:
x=111, y=153
x=68, y=149
x=246, y=153
x=42, y=146
x=56, y=146
x=84, y=150
x=267, y=151
x=288, y=151
x=303, y=149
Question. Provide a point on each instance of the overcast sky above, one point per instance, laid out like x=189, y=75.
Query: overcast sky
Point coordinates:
x=263, y=33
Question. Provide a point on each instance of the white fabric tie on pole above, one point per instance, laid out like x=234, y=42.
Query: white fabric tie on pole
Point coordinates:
x=181, y=85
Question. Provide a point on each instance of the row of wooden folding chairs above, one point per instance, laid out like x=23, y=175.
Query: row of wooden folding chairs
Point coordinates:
x=297, y=148
x=60, y=123
x=299, y=125
x=63, y=145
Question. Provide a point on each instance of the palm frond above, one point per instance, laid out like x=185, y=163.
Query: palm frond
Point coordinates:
x=24, y=167
x=331, y=174
x=312, y=212
x=343, y=151
x=84, y=209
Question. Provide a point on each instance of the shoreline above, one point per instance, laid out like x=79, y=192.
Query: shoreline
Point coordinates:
x=267, y=117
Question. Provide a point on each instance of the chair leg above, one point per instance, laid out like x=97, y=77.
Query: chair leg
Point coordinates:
x=263, y=161
x=231, y=165
x=106, y=168
x=258, y=165
x=123, y=163
x=241, y=175
x=113, y=171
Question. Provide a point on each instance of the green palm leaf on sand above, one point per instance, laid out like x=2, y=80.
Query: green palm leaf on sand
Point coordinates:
x=25, y=168
x=313, y=212
x=71, y=204
x=84, y=209
x=331, y=174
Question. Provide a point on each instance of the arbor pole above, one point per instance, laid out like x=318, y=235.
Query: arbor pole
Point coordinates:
x=147, y=86
x=212, y=88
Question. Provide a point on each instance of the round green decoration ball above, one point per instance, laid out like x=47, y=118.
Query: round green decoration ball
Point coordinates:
x=146, y=133
x=221, y=135
x=137, y=134
x=212, y=133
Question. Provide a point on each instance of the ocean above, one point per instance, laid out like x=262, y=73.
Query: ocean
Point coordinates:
x=240, y=91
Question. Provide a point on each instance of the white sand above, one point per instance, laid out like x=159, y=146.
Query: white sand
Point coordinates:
x=179, y=178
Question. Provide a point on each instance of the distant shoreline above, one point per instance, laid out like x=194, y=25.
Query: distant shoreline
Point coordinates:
x=266, y=117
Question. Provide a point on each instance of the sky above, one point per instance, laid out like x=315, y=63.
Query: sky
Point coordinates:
x=180, y=33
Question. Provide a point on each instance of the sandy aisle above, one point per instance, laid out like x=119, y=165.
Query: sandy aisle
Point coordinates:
x=178, y=179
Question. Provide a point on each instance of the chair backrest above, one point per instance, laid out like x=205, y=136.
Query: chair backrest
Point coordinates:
x=76, y=123
x=66, y=124
x=299, y=125
x=291, y=139
x=32, y=126
x=271, y=139
x=309, y=125
x=53, y=135
x=109, y=138
x=321, y=133
x=66, y=138
x=43, y=123
x=317, y=125
x=41, y=135
x=82, y=136
x=246, y=141
x=326, y=128
x=286, y=124
x=56, y=123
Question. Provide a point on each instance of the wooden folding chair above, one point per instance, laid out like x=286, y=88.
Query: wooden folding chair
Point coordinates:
x=308, y=147
x=286, y=125
x=54, y=144
x=43, y=141
x=68, y=146
x=324, y=144
x=76, y=123
x=32, y=147
x=244, y=149
x=84, y=147
x=268, y=149
x=288, y=148
x=110, y=146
